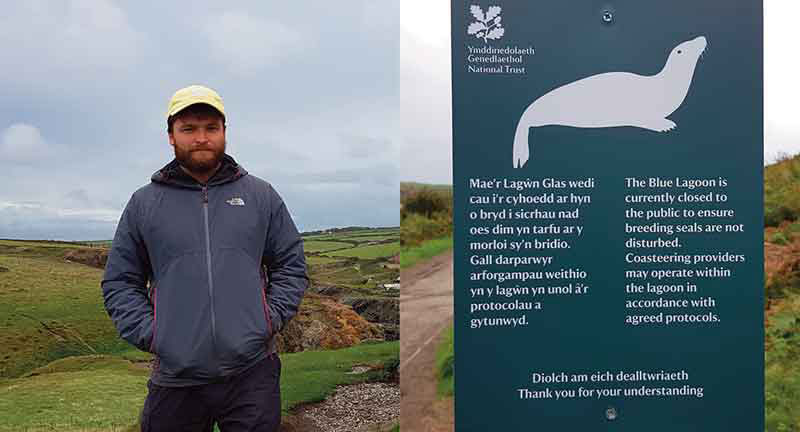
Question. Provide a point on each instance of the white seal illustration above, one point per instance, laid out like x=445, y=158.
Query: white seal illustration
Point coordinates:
x=614, y=99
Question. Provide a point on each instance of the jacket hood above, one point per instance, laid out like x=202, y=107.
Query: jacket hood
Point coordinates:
x=172, y=174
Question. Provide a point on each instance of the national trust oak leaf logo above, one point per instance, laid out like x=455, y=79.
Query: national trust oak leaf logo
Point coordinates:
x=487, y=25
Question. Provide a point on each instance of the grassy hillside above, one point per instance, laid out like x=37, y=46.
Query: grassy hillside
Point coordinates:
x=107, y=392
x=63, y=366
x=357, y=262
x=382, y=250
x=324, y=245
x=782, y=366
x=782, y=191
x=782, y=291
x=50, y=308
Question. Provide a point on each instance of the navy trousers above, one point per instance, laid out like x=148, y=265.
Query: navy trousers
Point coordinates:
x=250, y=401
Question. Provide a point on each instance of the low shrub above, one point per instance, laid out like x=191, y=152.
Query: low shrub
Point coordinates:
x=782, y=191
x=445, y=363
x=779, y=238
x=415, y=228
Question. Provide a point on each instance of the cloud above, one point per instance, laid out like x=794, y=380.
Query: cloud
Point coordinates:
x=46, y=41
x=32, y=211
x=36, y=220
x=78, y=196
x=5, y=205
x=380, y=174
x=246, y=44
x=91, y=78
x=363, y=147
x=22, y=142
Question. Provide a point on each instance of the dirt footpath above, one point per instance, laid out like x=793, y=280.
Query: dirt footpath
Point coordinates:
x=426, y=308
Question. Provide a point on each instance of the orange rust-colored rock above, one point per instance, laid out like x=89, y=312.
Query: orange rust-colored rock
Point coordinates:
x=323, y=323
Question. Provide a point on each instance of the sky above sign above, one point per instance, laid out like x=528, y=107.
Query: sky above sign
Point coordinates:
x=310, y=89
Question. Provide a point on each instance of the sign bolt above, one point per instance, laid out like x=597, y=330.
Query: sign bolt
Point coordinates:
x=611, y=413
x=608, y=17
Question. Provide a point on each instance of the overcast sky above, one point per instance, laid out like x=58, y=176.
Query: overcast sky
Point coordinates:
x=425, y=86
x=310, y=88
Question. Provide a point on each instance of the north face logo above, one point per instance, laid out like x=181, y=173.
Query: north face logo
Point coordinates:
x=235, y=201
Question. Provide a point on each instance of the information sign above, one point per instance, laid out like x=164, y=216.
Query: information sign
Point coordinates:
x=608, y=161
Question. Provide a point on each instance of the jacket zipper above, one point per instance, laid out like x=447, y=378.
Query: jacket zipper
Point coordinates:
x=264, y=300
x=208, y=266
x=155, y=318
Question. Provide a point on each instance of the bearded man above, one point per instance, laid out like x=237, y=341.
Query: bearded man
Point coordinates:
x=205, y=268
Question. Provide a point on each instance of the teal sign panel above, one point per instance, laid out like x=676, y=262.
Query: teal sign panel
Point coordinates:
x=608, y=160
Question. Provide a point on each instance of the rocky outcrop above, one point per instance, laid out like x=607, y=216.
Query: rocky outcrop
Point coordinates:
x=325, y=289
x=94, y=257
x=378, y=310
x=391, y=332
x=323, y=323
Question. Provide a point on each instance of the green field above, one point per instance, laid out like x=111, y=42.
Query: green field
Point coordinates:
x=97, y=243
x=309, y=376
x=80, y=392
x=366, y=238
x=63, y=366
x=370, y=239
x=359, y=278
x=41, y=243
x=316, y=260
x=357, y=235
x=36, y=248
x=383, y=250
x=50, y=309
x=426, y=250
x=349, y=233
x=312, y=246
x=107, y=392
x=355, y=261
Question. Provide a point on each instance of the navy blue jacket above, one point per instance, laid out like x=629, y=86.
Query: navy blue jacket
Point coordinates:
x=204, y=276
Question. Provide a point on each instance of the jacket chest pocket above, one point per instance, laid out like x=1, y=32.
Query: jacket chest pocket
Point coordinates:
x=239, y=226
x=177, y=228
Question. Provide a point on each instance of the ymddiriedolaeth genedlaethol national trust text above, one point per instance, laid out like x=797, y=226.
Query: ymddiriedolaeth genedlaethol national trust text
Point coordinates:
x=608, y=215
